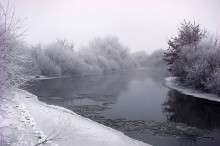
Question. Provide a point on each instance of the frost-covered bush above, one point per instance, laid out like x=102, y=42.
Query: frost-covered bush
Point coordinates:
x=211, y=51
x=12, y=57
x=201, y=65
x=193, y=66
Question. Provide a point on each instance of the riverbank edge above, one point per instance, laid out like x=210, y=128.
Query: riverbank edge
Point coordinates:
x=90, y=132
x=171, y=83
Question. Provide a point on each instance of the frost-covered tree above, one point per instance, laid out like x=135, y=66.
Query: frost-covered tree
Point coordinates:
x=112, y=54
x=194, y=58
x=12, y=58
x=189, y=34
x=202, y=67
x=62, y=54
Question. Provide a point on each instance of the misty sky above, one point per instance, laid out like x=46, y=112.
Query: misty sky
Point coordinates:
x=139, y=24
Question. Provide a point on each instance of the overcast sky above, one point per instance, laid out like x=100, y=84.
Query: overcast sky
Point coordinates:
x=139, y=24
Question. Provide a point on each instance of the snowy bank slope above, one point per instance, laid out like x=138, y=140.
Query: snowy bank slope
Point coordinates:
x=69, y=129
x=17, y=127
x=170, y=82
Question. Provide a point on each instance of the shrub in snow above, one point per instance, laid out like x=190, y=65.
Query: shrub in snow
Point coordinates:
x=12, y=58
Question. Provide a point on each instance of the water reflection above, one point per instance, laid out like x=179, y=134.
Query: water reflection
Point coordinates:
x=67, y=92
x=192, y=111
x=62, y=91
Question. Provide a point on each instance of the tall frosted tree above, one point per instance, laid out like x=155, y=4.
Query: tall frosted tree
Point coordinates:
x=189, y=34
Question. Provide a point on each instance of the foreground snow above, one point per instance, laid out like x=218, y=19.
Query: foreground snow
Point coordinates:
x=32, y=121
x=170, y=82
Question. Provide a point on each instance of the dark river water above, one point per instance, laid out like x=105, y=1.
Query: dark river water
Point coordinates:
x=138, y=104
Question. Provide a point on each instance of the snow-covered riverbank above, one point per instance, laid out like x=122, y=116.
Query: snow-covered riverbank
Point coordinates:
x=170, y=82
x=26, y=121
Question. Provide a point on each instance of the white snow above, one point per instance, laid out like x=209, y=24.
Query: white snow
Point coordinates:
x=33, y=121
x=171, y=83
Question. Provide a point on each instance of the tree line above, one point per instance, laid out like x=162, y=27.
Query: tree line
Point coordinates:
x=19, y=62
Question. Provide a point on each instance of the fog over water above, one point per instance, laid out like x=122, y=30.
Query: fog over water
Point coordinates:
x=139, y=24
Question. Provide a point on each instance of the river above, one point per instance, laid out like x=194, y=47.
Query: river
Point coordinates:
x=138, y=104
